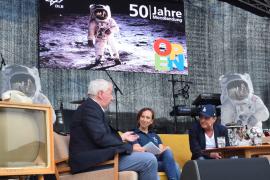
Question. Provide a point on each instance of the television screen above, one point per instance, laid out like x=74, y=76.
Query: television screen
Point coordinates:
x=26, y=139
x=130, y=35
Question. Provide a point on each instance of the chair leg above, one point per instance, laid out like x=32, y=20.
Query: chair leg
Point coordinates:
x=40, y=177
x=116, y=167
x=21, y=178
x=57, y=173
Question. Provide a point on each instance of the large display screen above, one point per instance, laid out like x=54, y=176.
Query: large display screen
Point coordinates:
x=120, y=35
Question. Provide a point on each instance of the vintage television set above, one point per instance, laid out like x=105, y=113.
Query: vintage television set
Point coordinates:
x=26, y=139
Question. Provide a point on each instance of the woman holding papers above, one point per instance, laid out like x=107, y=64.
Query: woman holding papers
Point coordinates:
x=151, y=142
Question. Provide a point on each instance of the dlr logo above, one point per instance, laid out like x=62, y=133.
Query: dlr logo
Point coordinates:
x=168, y=55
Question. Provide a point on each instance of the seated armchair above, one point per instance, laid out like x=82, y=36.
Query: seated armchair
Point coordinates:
x=179, y=144
x=61, y=144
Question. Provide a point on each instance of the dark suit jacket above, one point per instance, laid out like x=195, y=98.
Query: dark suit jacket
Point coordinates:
x=92, y=140
x=197, y=139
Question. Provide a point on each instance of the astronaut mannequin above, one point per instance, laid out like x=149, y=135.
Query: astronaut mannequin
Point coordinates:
x=239, y=104
x=18, y=78
x=101, y=32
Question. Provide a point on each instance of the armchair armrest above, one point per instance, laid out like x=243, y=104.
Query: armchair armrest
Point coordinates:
x=61, y=166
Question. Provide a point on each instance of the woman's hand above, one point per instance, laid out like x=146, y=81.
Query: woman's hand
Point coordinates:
x=163, y=148
x=138, y=148
x=215, y=155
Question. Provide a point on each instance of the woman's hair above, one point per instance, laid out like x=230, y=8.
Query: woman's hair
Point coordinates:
x=140, y=114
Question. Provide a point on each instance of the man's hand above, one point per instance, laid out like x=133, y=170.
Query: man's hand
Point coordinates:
x=90, y=43
x=138, y=148
x=215, y=155
x=129, y=136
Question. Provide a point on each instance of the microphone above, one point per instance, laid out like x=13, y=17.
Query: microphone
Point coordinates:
x=59, y=125
x=3, y=63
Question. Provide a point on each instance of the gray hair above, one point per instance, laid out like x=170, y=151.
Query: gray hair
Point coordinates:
x=98, y=85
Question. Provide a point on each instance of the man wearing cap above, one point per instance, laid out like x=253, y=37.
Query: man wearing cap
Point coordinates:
x=203, y=134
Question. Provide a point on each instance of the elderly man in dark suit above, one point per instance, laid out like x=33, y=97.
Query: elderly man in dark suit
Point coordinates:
x=93, y=141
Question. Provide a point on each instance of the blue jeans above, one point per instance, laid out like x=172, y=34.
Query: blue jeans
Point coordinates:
x=144, y=163
x=167, y=163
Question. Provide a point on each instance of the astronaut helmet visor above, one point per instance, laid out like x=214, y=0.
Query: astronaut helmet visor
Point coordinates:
x=238, y=90
x=101, y=14
x=24, y=83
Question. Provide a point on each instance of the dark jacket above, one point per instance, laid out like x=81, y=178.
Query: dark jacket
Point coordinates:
x=197, y=139
x=92, y=140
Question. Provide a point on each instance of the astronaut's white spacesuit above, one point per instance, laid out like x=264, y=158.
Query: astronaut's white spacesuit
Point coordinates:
x=239, y=104
x=101, y=32
x=26, y=80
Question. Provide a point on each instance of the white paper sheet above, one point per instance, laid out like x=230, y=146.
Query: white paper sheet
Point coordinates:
x=152, y=148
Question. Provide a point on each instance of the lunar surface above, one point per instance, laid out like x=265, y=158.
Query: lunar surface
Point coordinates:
x=63, y=43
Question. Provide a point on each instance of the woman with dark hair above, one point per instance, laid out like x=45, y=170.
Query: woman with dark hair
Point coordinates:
x=166, y=162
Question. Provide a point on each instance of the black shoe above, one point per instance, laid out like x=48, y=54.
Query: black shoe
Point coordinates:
x=99, y=60
x=117, y=61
